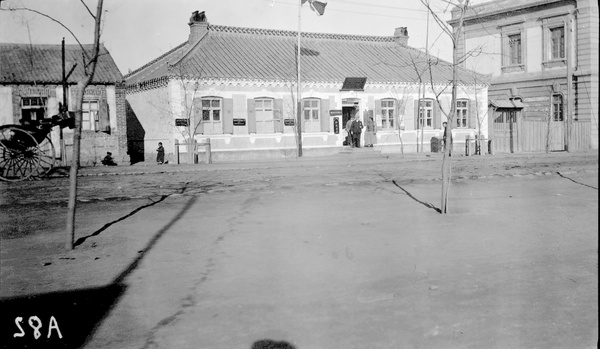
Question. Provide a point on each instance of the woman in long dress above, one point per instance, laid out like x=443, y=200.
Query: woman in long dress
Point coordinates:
x=370, y=138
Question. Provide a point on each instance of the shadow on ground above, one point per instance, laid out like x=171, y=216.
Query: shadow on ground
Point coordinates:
x=67, y=319
x=64, y=319
x=271, y=344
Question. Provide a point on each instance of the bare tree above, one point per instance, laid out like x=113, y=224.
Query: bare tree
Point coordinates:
x=455, y=36
x=89, y=62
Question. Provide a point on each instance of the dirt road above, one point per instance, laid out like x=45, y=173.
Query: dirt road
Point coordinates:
x=314, y=254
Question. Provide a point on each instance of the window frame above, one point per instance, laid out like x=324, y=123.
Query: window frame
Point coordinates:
x=557, y=117
x=557, y=54
x=508, y=66
x=89, y=115
x=548, y=25
x=429, y=116
x=385, y=114
x=29, y=109
x=465, y=116
x=263, y=109
x=211, y=110
x=311, y=110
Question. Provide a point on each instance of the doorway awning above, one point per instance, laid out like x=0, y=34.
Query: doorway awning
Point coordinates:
x=354, y=84
x=506, y=103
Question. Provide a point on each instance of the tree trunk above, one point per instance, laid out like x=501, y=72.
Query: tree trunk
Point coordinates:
x=72, y=206
x=81, y=86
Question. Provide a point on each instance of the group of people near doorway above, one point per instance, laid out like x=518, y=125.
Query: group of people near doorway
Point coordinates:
x=354, y=127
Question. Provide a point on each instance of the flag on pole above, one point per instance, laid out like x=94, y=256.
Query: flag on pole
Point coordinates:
x=317, y=6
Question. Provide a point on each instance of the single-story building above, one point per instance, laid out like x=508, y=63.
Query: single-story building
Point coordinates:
x=237, y=86
x=31, y=88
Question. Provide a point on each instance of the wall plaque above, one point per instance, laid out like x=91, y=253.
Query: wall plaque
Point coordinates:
x=239, y=122
x=288, y=122
x=181, y=122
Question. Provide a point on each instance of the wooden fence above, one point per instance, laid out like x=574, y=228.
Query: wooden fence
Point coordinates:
x=531, y=136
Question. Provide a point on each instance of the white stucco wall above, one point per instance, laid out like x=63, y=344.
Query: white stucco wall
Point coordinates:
x=153, y=112
x=487, y=54
x=534, y=49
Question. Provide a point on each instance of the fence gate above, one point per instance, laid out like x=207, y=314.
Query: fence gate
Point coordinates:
x=505, y=131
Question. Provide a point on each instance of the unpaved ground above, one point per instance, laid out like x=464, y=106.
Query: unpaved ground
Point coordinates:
x=320, y=254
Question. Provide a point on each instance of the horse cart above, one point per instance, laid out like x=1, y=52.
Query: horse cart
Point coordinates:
x=26, y=150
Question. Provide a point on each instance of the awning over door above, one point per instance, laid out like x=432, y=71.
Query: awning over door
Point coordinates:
x=506, y=103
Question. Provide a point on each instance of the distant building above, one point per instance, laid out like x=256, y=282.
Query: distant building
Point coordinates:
x=237, y=86
x=31, y=89
x=542, y=60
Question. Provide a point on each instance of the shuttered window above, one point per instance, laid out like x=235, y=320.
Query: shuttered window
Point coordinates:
x=264, y=115
x=388, y=113
x=89, y=111
x=462, y=112
x=426, y=113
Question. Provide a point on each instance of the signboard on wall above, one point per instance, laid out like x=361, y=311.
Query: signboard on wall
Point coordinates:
x=181, y=122
x=288, y=122
x=239, y=122
x=335, y=112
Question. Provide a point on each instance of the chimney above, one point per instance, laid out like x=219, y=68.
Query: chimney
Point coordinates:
x=401, y=36
x=198, y=26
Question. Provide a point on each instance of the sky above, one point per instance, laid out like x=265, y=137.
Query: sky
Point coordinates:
x=138, y=31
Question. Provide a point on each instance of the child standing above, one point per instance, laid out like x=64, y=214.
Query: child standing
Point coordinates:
x=160, y=154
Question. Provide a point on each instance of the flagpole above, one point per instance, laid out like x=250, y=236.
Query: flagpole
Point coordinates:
x=298, y=90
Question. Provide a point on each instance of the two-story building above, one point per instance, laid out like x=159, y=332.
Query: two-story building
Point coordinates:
x=542, y=60
x=31, y=88
x=237, y=86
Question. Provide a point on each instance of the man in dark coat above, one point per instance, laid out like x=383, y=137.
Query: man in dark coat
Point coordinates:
x=356, y=128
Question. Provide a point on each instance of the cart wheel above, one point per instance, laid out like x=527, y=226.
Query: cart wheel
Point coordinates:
x=19, y=154
x=47, y=157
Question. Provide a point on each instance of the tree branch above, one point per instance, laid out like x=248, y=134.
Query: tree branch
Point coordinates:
x=51, y=18
x=88, y=9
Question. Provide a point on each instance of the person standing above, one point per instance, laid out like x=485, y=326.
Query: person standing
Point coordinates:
x=160, y=154
x=447, y=138
x=349, y=139
x=356, y=128
x=370, y=133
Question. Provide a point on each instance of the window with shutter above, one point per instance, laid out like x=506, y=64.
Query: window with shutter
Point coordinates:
x=462, y=113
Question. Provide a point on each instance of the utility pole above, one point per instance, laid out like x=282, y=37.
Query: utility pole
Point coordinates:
x=422, y=102
x=569, y=105
x=65, y=108
x=298, y=88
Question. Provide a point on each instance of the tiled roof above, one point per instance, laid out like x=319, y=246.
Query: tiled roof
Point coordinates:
x=42, y=64
x=263, y=54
